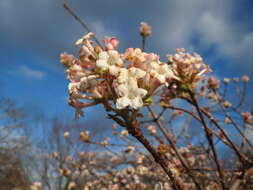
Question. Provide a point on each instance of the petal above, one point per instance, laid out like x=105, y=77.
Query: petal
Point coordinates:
x=122, y=90
x=161, y=78
x=136, y=103
x=122, y=102
x=83, y=84
x=72, y=85
x=132, y=83
x=79, y=42
x=103, y=55
x=114, y=70
x=140, y=73
x=136, y=72
x=141, y=92
x=102, y=64
x=123, y=75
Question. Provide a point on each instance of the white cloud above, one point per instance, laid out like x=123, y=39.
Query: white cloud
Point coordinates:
x=101, y=30
x=212, y=22
x=175, y=23
x=230, y=38
x=31, y=73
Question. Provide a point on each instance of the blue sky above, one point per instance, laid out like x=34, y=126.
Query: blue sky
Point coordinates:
x=34, y=32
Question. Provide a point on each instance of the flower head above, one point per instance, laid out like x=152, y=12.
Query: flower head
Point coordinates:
x=103, y=75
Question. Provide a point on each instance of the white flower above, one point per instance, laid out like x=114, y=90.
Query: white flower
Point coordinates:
x=72, y=87
x=85, y=37
x=122, y=102
x=161, y=71
x=114, y=70
x=136, y=72
x=87, y=82
x=131, y=97
x=102, y=60
x=128, y=90
x=123, y=75
x=114, y=58
x=106, y=59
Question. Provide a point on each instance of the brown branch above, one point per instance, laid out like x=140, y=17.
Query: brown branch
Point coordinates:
x=233, y=122
x=136, y=132
x=233, y=146
x=210, y=139
x=173, y=146
x=83, y=24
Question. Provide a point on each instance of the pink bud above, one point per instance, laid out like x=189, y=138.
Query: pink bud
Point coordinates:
x=111, y=43
x=115, y=42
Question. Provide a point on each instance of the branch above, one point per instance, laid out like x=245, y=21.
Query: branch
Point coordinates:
x=83, y=24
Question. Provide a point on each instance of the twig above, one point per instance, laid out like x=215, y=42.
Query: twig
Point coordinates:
x=210, y=140
x=173, y=146
x=83, y=24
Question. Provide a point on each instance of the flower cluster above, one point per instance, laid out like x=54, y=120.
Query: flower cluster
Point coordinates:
x=187, y=67
x=129, y=79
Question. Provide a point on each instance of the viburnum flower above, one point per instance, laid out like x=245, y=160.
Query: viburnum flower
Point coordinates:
x=127, y=88
x=187, y=67
x=108, y=60
x=161, y=72
x=103, y=75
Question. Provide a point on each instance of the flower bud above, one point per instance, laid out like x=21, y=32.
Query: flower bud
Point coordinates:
x=226, y=104
x=124, y=133
x=227, y=120
x=66, y=134
x=84, y=136
x=152, y=129
x=247, y=117
x=213, y=83
x=104, y=143
x=130, y=149
x=66, y=59
x=145, y=29
x=245, y=78
x=71, y=185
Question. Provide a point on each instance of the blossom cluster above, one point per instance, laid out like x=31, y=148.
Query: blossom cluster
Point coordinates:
x=129, y=79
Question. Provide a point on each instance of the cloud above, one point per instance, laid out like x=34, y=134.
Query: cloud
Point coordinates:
x=44, y=28
x=231, y=38
x=31, y=73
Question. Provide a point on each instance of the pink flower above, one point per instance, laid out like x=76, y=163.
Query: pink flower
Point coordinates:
x=111, y=43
